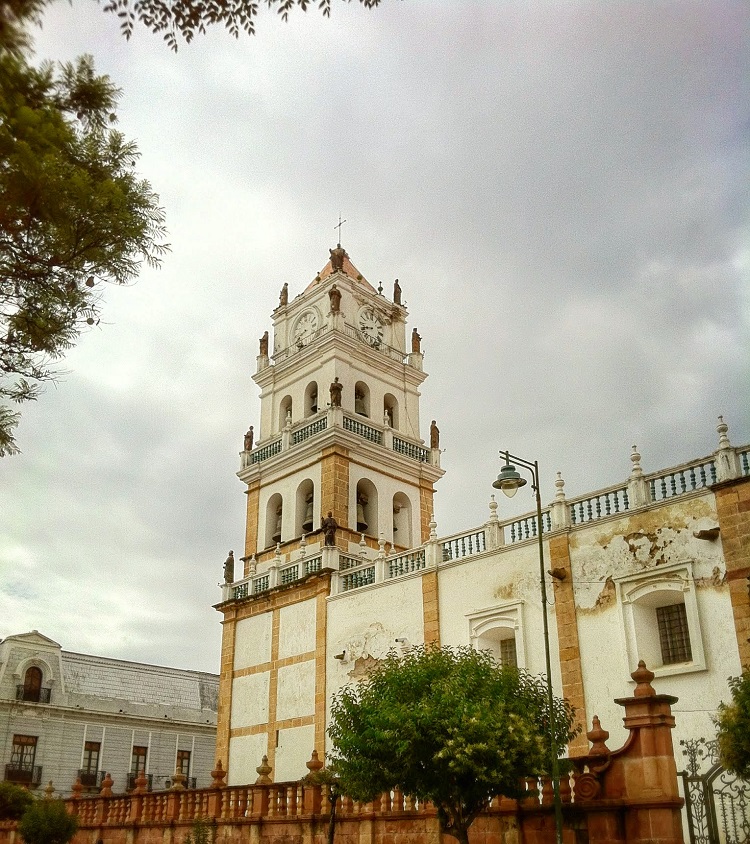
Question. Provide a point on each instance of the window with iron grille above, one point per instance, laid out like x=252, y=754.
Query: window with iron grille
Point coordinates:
x=183, y=762
x=23, y=753
x=138, y=761
x=674, y=636
x=508, y=652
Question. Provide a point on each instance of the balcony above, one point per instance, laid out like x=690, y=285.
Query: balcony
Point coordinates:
x=91, y=779
x=33, y=695
x=22, y=774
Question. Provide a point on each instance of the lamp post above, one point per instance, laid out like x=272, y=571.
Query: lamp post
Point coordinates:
x=509, y=481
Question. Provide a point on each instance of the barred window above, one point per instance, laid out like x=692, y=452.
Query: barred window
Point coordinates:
x=508, y=652
x=674, y=636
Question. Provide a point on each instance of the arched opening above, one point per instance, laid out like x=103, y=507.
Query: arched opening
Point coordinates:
x=311, y=399
x=274, y=513
x=367, y=508
x=304, y=518
x=402, y=520
x=285, y=411
x=390, y=410
x=501, y=642
x=362, y=399
x=32, y=683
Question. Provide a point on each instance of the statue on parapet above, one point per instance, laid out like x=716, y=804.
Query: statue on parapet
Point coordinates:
x=335, y=390
x=248, y=443
x=396, y=292
x=416, y=341
x=229, y=568
x=434, y=435
x=284, y=295
x=329, y=526
x=263, y=352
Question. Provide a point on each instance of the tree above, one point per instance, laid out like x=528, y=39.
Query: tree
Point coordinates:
x=187, y=17
x=73, y=212
x=733, y=723
x=47, y=822
x=14, y=801
x=448, y=726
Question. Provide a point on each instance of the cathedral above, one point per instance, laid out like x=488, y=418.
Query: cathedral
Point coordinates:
x=342, y=562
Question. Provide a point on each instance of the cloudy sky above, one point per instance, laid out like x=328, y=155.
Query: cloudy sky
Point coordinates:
x=562, y=190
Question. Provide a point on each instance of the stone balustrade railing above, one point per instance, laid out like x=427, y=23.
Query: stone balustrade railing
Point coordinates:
x=371, y=567
x=381, y=434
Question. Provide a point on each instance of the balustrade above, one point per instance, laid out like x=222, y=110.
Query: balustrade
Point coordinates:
x=408, y=449
x=597, y=506
x=406, y=563
x=355, y=426
x=681, y=481
x=266, y=451
x=355, y=579
x=464, y=546
x=309, y=430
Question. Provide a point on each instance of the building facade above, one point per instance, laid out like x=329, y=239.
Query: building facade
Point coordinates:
x=654, y=567
x=66, y=716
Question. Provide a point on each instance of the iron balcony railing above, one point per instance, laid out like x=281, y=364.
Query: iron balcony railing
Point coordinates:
x=133, y=777
x=91, y=779
x=23, y=774
x=33, y=695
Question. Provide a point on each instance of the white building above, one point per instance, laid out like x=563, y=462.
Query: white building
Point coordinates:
x=651, y=568
x=65, y=715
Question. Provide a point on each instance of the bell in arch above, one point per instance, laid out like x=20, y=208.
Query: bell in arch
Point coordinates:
x=307, y=522
x=359, y=403
x=361, y=520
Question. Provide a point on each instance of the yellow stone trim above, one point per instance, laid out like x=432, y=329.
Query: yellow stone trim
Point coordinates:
x=430, y=608
x=321, y=640
x=225, y=690
x=258, y=729
x=571, y=672
x=251, y=521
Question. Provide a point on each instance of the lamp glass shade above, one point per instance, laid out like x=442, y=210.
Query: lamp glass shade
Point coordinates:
x=509, y=481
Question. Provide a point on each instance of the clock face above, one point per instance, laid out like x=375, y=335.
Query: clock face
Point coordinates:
x=371, y=326
x=306, y=326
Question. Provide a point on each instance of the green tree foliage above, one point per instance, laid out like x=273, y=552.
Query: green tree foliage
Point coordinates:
x=200, y=832
x=47, y=822
x=733, y=723
x=73, y=211
x=185, y=18
x=448, y=726
x=14, y=801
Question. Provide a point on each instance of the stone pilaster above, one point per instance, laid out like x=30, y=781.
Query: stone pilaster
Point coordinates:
x=567, y=635
x=733, y=509
x=251, y=521
x=430, y=607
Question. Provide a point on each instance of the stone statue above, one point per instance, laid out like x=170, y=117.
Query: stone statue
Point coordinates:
x=434, y=435
x=361, y=518
x=264, y=345
x=416, y=341
x=337, y=258
x=229, y=568
x=334, y=294
x=336, y=388
x=249, y=439
x=329, y=525
x=396, y=292
x=284, y=295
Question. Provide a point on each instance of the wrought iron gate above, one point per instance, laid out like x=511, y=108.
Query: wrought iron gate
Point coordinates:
x=717, y=803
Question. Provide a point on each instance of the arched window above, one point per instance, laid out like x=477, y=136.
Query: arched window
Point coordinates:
x=500, y=631
x=402, y=520
x=367, y=508
x=32, y=684
x=274, y=513
x=311, y=399
x=285, y=411
x=361, y=398
x=390, y=410
x=304, y=516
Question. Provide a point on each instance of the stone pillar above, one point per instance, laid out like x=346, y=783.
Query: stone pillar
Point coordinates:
x=559, y=509
x=727, y=464
x=567, y=633
x=733, y=510
x=494, y=534
x=644, y=773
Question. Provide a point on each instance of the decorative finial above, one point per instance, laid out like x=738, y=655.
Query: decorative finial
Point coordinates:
x=314, y=764
x=277, y=553
x=380, y=288
x=493, y=508
x=264, y=769
x=722, y=429
x=362, y=546
x=635, y=458
x=251, y=565
x=338, y=226
x=302, y=547
x=433, y=527
x=643, y=678
x=597, y=736
x=381, y=547
x=560, y=488
x=217, y=776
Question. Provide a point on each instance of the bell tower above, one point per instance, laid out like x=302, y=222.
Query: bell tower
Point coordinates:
x=339, y=421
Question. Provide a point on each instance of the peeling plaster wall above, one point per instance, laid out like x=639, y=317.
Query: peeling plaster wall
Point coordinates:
x=508, y=575
x=365, y=625
x=642, y=543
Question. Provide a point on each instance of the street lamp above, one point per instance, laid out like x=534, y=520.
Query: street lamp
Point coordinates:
x=510, y=481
